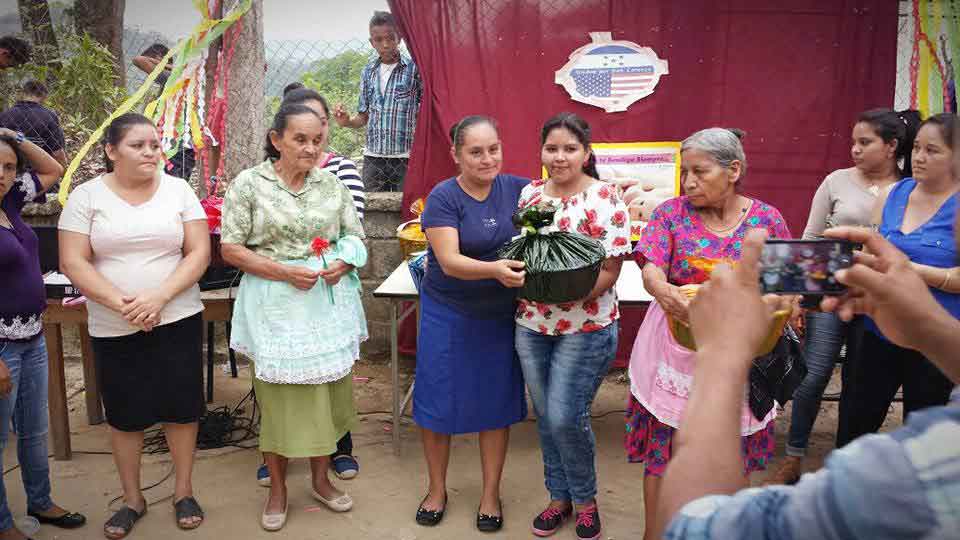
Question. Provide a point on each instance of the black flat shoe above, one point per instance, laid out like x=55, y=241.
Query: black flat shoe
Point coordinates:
x=70, y=520
x=430, y=518
x=487, y=523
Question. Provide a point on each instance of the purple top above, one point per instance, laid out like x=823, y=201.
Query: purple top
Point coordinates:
x=24, y=298
x=676, y=235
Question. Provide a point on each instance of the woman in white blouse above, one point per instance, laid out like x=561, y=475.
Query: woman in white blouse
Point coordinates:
x=136, y=242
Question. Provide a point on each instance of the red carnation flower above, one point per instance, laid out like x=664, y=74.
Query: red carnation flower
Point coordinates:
x=564, y=224
x=543, y=329
x=591, y=215
x=604, y=192
x=563, y=325
x=591, y=307
x=619, y=241
x=319, y=246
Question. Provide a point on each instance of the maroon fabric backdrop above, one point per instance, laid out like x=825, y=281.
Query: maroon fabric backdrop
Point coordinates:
x=793, y=78
x=794, y=75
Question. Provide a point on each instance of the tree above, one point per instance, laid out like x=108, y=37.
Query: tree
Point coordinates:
x=245, y=124
x=36, y=22
x=103, y=21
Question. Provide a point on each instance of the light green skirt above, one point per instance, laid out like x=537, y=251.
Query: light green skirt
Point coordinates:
x=304, y=420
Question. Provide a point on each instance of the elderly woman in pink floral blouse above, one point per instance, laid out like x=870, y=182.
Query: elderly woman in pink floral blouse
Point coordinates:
x=708, y=222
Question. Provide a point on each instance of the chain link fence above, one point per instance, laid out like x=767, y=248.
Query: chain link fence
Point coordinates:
x=332, y=68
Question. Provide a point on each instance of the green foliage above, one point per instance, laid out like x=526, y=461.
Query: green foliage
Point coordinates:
x=81, y=81
x=85, y=89
x=337, y=79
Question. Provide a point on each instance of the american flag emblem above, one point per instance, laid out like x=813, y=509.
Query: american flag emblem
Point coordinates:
x=613, y=71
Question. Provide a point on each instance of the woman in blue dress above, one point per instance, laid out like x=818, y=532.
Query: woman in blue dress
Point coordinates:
x=468, y=376
x=918, y=216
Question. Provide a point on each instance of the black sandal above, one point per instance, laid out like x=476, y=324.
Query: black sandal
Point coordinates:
x=430, y=518
x=124, y=519
x=69, y=520
x=187, y=508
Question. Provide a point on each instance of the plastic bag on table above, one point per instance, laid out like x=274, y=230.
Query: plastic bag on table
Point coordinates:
x=560, y=266
x=417, y=263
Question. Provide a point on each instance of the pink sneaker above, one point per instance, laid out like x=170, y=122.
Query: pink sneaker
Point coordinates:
x=588, y=523
x=550, y=520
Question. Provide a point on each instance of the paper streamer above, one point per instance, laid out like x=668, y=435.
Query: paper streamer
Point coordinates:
x=203, y=35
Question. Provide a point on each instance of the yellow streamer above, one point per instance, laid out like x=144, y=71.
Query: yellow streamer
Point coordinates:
x=121, y=110
x=923, y=71
x=191, y=45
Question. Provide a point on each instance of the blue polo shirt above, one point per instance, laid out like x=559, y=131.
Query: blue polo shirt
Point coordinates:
x=483, y=227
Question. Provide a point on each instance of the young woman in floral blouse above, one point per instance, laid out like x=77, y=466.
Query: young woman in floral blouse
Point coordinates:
x=566, y=349
x=708, y=222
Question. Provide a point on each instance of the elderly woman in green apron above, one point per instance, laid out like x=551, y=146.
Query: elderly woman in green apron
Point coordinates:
x=298, y=315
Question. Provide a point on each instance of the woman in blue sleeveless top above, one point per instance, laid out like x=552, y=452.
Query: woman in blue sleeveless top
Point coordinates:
x=918, y=216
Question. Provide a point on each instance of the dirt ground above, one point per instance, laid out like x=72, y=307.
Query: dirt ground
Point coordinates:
x=388, y=488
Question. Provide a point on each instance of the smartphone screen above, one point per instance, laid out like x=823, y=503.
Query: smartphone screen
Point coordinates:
x=805, y=267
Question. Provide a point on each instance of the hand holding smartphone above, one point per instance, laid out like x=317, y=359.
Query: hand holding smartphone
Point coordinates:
x=804, y=267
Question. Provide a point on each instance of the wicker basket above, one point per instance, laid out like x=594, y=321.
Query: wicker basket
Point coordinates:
x=683, y=334
x=409, y=247
x=410, y=234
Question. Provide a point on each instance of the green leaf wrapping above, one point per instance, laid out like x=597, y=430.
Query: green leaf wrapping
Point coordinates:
x=561, y=266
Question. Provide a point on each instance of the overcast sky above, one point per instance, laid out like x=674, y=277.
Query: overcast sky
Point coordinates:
x=317, y=20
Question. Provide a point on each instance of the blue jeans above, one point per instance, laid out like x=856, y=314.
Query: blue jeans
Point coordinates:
x=825, y=336
x=563, y=374
x=26, y=405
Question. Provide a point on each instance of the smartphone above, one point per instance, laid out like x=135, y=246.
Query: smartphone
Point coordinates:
x=804, y=267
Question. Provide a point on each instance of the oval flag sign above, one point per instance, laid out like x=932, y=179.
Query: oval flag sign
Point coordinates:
x=611, y=74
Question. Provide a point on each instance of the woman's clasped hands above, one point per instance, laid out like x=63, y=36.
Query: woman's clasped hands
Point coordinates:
x=143, y=309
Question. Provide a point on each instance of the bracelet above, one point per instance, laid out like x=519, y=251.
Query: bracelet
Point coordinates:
x=20, y=137
x=946, y=279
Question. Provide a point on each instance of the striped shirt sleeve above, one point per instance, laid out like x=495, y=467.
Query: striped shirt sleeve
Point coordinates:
x=346, y=171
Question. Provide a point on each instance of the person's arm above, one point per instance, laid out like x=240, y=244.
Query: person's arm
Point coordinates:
x=707, y=448
x=61, y=157
x=340, y=114
x=147, y=64
x=352, y=252
x=819, y=211
x=945, y=279
x=344, y=119
x=445, y=242
x=884, y=285
x=609, y=273
x=76, y=262
x=46, y=168
x=147, y=305
x=349, y=175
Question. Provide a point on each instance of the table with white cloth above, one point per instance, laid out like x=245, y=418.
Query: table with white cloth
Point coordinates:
x=399, y=289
